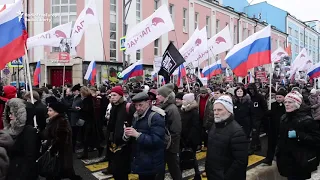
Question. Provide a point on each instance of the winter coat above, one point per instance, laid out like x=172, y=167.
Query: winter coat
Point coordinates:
x=275, y=114
x=259, y=105
x=39, y=110
x=173, y=122
x=6, y=143
x=25, y=150
x=208, y=119
x=119, y=151
x=9, y=92
x=191, y=127
x=58, y=133
x=104, y=101
x=297, y=157
x=74, y=113
x=148, y=148
x=315, y=106
x=87, y=113
x=67, y=101
x=242, y=109
x=227, y=155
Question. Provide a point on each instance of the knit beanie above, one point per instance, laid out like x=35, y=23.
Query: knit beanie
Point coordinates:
x=296, y=89
x=282, y=92
x=188, y=98
x=118, y=90
x=166, y=90
x=203, y=90
x=226, y=101
x=294, y=96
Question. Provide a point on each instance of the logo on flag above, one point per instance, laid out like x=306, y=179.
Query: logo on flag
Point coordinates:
x=220, y=40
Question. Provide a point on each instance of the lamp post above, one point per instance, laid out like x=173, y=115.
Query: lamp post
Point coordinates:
x=124, y=28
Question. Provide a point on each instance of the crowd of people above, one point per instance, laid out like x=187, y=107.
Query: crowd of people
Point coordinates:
x=141, y=128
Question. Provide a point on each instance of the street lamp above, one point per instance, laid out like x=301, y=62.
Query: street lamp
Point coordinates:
x=124, y=28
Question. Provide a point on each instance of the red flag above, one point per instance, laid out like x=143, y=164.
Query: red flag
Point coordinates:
x=288, y=50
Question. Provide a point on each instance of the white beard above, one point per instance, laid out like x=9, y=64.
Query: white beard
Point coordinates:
x=222, y=118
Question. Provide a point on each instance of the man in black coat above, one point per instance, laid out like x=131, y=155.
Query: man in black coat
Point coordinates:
x=227, y=155
x=259, y=110
x=275, y=114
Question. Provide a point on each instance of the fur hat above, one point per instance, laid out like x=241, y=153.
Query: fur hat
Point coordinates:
x=57, y=107
x=281, y=92
x=226, y=101
x=166, y=90
x=76, y=87
x=179, y=95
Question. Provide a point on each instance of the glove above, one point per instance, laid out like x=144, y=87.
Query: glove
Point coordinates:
x=292, y=134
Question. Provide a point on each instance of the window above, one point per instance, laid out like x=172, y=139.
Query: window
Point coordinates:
x=289, y=30
x=235, y=40
x=208, y=26
x=217, y=26
x=314, y=55
x=171, y=10
x=113, y=6
x=63, y=11
x=310, y=40
x=249, y=32
x=156, y=47
x=309, y=52
x=156, y=4
x=113, y=30
x=138, y=10
x=244, y=32
x=297, y=48
x=301, y=36
x=314, y=42
x=138, y=55
x=184, y=20
x=196, y=15
x=296, y=34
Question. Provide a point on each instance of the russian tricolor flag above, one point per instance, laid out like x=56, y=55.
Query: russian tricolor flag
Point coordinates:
x=314, y=72
x=91, y=73
x=181, y=73
x=36, y=75
x=212, y=70
x=13, y=34
x=134, y=70
x=252, y=52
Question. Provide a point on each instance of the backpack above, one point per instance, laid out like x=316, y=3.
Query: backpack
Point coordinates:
x=167, y=135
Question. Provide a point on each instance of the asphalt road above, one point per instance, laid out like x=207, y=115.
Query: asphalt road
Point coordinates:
x=91, y=169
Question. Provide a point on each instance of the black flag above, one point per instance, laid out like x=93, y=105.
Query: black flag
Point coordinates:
x=171, y=60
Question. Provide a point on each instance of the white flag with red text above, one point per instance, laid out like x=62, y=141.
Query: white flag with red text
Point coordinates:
x=219, y=43
x=87, y=16
x=196, y=44
x=148, y=30
x=278, y=54
x=53, y=37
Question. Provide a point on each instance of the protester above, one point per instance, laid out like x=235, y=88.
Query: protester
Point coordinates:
x=147, y=133
x=314, y=100
x=275, y=114
x=206, y=115
x=90, y=135
x=6, y=143
x=6, y=93
x=299, y=137
x=227, y=156
x=75, y=114
x=25, y=150
x=166, y=99
x=118, y=150
x=191, y=128
x=58, y=134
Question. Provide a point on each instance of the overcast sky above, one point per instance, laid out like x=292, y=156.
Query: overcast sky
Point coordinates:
x=304, y=10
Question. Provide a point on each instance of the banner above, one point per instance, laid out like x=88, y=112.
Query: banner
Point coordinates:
x=53, y=37
x=148, y=30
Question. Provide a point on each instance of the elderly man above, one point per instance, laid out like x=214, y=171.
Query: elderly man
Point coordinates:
x=148, y=134
x=227, y=155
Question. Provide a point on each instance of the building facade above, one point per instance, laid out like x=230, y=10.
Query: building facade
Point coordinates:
x=300, y=34
x=101, y=42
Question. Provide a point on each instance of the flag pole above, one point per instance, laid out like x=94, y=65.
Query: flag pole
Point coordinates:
x=25, y=75
x=270, y=86
x=28, y=73
x=45, y=69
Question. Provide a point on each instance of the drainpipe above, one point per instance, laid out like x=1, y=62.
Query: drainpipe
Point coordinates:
x=239, y=28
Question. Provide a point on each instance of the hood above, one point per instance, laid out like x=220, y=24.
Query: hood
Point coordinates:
x=254, y=87
x=171, y=99
x=189, y=106
x=158, y=110
x=9, y=92
x=245, y=99
x=18, y=107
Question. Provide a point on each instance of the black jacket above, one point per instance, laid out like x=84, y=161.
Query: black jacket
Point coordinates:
x=275, y=114
x=191, y=127
x=39, y=110
x=259, y=104
x=227, y=155
x=23, y=155
x=242, y=109
x=298, y=156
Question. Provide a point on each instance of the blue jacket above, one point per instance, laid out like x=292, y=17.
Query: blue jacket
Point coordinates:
x=149, y=148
